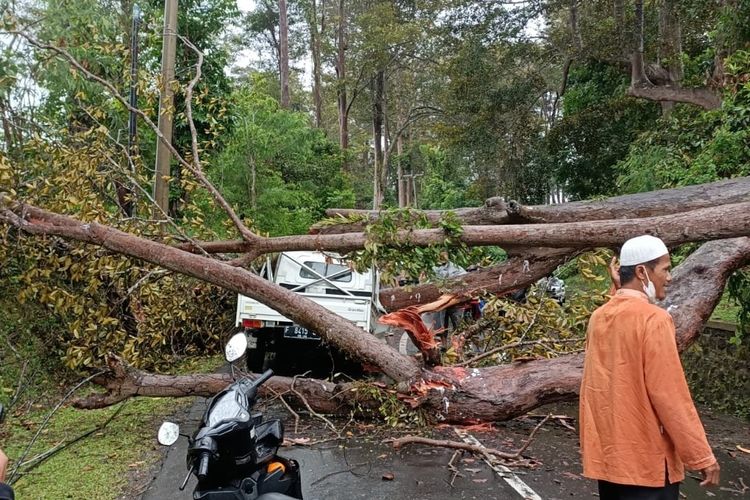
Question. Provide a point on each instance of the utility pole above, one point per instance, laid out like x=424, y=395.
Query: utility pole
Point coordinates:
x=166, y=109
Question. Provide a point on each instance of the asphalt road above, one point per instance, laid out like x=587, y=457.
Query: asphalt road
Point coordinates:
x=357, y=467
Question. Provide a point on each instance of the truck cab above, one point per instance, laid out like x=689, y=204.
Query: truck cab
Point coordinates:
x=327, y=279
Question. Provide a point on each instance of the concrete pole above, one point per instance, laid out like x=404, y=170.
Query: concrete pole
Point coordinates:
x=166, y=108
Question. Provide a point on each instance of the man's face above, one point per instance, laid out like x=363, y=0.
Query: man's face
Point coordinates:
x=660, y=276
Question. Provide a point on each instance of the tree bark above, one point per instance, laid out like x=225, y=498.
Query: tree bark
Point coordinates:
x=343, y=107
x=496, y=211
x=670, y=41
x=637, y=69
x=315, y=37
x=575, y=32
x=703, y=97
x=458, y=395
x=516, y=272
x=723, y=221
x=284, y=54
x=378, y=83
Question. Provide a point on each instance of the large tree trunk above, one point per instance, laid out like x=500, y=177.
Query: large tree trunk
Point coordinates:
x=378, y=83
x=637, y=67
x=723, y=221
x=517, y=272
x=497, y=211
x=315, y=36
x=342, y=99
x=401, y=184
x=284, y=54
x=459, y=395
x=670, y=41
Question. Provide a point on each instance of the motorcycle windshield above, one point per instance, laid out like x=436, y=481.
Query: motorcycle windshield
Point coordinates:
x=226, y=409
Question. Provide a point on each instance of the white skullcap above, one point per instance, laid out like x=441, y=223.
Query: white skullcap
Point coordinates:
x=642, y=249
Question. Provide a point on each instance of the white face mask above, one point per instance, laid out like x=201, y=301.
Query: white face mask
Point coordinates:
x=649, y=289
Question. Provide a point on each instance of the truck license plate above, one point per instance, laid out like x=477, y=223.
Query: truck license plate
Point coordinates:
x=299, y=332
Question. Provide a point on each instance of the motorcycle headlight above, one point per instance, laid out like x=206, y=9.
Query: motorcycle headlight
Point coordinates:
x=226, y=409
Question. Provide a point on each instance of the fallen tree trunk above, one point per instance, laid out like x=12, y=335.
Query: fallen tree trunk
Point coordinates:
x=698, y=284
x=648, y=204
x=723, y=221
x=333, y=328
x=516, y=272
x=123, y=382
x=461, y=395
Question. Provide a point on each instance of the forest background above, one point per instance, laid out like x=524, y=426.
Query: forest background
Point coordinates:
x=428, y=104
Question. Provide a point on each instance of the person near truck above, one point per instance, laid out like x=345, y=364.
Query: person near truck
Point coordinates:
x=639, y=428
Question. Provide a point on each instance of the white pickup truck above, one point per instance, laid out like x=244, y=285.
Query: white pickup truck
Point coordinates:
x=326, y=279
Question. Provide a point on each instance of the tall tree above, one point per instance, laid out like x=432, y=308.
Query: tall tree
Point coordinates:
x=341, y=77
x=284, y=54
x=379, y=172
x=315, y=47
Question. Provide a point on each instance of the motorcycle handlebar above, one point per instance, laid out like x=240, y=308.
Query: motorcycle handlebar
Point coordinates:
x=262, y=378
x=203, y=465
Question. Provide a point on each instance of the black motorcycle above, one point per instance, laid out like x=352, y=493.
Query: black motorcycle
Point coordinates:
x=234, y=452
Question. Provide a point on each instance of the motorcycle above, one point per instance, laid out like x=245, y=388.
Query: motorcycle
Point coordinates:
x=234, y=452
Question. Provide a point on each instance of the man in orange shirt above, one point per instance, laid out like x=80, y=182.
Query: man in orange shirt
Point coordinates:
x=639, y=427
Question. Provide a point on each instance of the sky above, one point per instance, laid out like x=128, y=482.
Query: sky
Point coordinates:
x=245, y=5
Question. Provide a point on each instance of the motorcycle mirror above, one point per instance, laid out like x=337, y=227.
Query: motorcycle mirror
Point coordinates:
x=169, y=432
x=236, y=347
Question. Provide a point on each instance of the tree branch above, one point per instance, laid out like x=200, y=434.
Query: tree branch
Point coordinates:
x=497, y=211
x=195, y=170
x=703, y=97
x=334, y=329
x=723, y=221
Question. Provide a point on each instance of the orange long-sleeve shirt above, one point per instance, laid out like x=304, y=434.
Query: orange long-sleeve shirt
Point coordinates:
x=636, y=413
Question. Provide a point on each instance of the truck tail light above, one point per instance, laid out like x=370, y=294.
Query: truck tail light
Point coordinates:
x=251, y=323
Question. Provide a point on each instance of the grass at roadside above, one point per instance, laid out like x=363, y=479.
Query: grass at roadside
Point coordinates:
x=726, y=310
x=97, y=467
x=102, y=465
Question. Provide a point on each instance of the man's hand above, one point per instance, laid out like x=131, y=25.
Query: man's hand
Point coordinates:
x=710, y=475
x=3, y=465
x=614, y=273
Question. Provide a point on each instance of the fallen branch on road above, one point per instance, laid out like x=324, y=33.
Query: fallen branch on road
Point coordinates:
x=397, y=443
